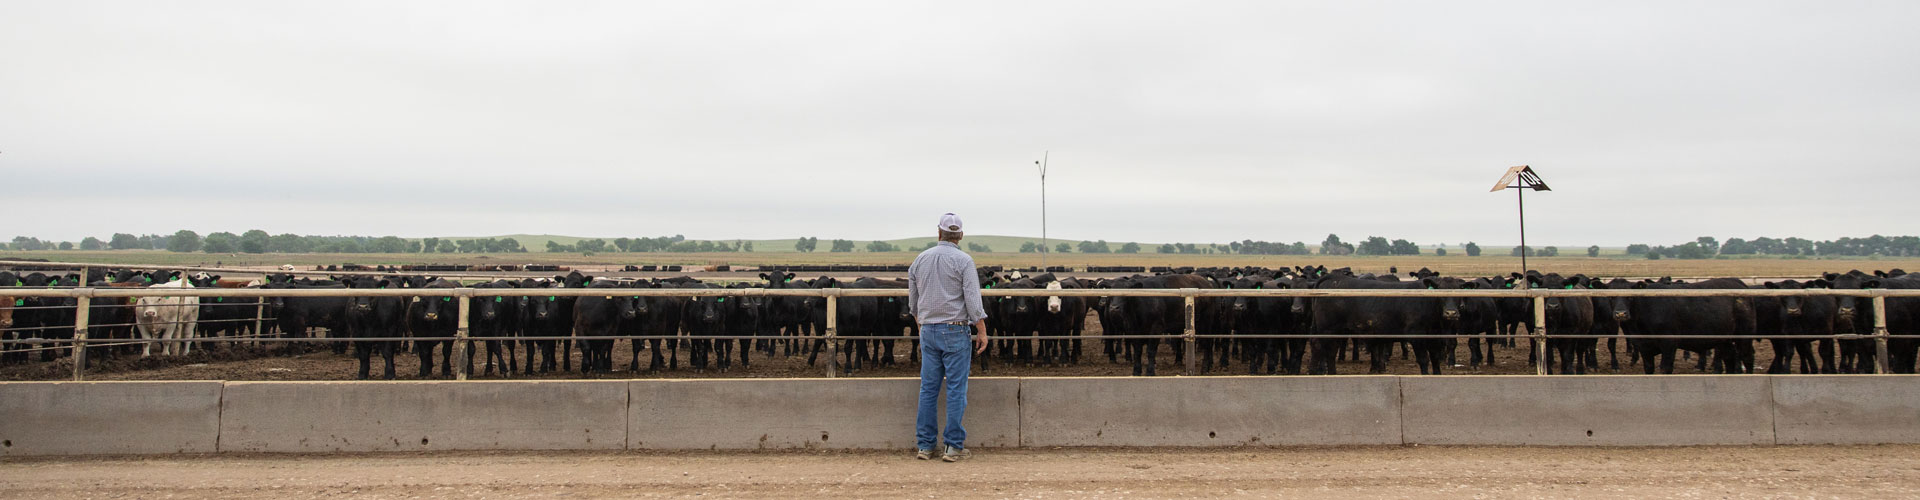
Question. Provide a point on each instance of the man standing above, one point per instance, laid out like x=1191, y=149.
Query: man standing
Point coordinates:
x=943, y=293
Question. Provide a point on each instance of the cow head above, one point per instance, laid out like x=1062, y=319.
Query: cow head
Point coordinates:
x=1053, y=302
x=364, y=303
x=1848, y=306
x=1449, y=305
x=777, y=279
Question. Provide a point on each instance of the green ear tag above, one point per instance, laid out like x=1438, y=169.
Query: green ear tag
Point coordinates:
x=1509, y=285
x=147, y=278
x=1569, y=287
x=499, y=299
x=219, y=299
x=109, y=278
x=175, y=278
x=446, y=299
x=552, y=298
x=722, y=299
x=19, y=302
x=989, y=285
x=789, y=280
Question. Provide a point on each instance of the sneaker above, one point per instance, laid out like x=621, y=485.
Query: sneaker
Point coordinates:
x=923, y=454
x=956, y=454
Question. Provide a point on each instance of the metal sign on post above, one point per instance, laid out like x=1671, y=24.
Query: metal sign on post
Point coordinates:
x=1527, y=180
x=1043, y=209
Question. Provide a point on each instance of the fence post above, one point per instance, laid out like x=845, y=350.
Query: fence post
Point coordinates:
x=259, y=321
x=833, y=327
x=459, y=346
x=1880, y=332
x=1190, y=343
x=82, y=310
x=1539, y=332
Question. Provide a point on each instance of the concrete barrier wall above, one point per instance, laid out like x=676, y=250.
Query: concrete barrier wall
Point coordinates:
x=1624, y=410
x=78, y=418
x=423, y=416
x=808, y=413
x=93, y=418
x=1860, y=409
x=1209, y=411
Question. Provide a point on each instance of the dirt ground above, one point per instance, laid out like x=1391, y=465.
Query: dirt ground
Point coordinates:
x=1373, y=472
x=304, y=361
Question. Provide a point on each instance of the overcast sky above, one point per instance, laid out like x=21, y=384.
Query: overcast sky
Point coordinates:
x=1176, y=121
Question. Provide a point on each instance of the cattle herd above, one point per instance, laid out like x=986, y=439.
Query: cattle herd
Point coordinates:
x=1044, y=330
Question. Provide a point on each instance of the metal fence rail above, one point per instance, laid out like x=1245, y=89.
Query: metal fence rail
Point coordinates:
x=1189, y=296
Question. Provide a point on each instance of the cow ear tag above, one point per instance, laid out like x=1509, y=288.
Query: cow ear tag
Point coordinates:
x=1569, y=287
x=19, y=302
x=499, y=299
x=989, y=285
x=722, y=299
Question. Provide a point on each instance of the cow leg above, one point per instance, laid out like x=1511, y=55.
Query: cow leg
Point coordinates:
x=1808, y=363
x=1782, y=357
x=1613, y=353
x=386, y=352
x=364, y=353
x=425, y=351
x=1826, y=357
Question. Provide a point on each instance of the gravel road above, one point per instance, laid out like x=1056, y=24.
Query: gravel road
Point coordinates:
x=1431, y=472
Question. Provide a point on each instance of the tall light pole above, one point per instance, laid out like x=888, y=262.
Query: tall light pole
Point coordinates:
x=1526, y=180
x=1043, y=209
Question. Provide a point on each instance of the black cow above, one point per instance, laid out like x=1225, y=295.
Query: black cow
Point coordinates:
x=1151, y=315
x=1796, y=315
x=1567, y=316
x=429, y=317
x=221, y=317
x=1019, y=321
x=1654, y=317
x=744, y=317
x=493, y=319
x=376, y=318
x=658, y=316
x=601, y=316
x=1480, y=316
x=1260, y=316
x=294, y=315
x=540, y=316
x=785, y=317
x=1356, y=316
x=892, y=318
x=1902, y=316
x=703, y=318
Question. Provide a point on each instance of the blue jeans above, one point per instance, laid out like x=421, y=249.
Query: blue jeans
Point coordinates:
x=946, y=354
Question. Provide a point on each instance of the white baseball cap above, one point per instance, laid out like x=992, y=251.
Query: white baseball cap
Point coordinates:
x=949, y=223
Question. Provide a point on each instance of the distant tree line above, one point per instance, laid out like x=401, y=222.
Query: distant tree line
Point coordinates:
x=1707, y=247
x=259, y=241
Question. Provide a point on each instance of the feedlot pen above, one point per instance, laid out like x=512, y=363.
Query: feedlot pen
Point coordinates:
x=299, y=359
